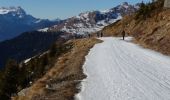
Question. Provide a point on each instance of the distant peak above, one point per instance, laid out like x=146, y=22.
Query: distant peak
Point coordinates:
x=125, y=3
x=17, y=10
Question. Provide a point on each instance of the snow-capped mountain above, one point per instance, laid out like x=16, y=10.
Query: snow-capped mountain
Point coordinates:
x=93, y=21
x=14, y=21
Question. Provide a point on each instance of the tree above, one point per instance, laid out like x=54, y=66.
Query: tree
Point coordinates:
x=53, y=50
x=10, y=80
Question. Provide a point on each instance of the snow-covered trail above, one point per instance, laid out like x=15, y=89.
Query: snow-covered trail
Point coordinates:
x=121, y=70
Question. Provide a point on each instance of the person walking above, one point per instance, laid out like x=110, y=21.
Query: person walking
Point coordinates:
x=123, y=34
x=89, y=35
x=98, y=34
x=101, y=34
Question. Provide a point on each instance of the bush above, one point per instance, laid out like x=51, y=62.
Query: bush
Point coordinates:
x=9, y=81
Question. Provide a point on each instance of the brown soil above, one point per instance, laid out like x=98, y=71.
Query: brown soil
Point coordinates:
x=62, y=81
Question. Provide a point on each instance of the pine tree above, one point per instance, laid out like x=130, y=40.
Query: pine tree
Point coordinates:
x=53, y=50
x=10, y=80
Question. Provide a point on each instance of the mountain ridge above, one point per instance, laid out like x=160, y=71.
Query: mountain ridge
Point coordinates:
x=93, y=21
x=14, y=21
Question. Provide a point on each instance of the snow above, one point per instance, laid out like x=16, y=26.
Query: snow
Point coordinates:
x=121, y=70
x=6, y=10
x=38, y=21
x=43, y=30
x=83, y=16
x=3, y=11
x=104, y=23
x=126, y=6
x=79, y=25
x=82, y=29
x=105, y=11
x=27, y=60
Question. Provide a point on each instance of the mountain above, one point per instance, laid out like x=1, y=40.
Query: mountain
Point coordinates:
x=27, y=45
x=93, y=21
x=14, y=21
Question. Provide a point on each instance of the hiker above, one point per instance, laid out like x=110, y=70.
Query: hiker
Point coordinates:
x=89, y=35
x=123, y=35
x=101, y=34
x=98, y=34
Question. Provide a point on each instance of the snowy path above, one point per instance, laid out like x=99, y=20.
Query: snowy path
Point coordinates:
x=120, y=70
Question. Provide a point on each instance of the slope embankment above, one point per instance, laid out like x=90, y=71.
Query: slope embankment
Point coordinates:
x=61, y=82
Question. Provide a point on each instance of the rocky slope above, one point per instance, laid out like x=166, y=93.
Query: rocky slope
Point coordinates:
x=14, y=21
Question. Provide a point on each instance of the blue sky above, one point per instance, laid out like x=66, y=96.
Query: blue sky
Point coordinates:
x=62, y=9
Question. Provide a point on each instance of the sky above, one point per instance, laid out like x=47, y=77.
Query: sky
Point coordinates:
x=53, y=9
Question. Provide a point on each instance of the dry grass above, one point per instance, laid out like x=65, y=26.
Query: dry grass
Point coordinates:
x=63, y=79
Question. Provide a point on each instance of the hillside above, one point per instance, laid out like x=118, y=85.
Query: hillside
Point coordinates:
x=61, y=81
x=150, y=29
x=27, y=45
